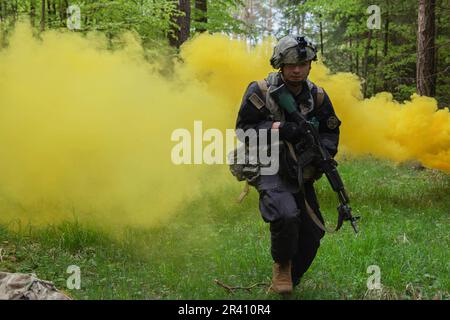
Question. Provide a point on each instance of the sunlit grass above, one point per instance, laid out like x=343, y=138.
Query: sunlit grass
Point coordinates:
x=404, y=231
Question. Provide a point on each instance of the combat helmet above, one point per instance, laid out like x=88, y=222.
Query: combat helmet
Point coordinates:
x=291, y=50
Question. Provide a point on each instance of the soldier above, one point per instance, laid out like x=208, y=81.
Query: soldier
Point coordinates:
x=283, y=200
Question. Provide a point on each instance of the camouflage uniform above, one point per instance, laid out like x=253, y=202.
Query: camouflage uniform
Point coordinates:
x=19, y=286
x=294, y=236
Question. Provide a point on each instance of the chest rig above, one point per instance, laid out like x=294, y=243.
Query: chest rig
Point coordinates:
x=272, y=82
x=306, y=106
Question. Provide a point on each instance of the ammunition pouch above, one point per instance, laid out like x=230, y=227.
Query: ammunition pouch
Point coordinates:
x=244, y=165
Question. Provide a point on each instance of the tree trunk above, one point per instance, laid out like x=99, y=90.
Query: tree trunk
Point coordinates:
x=438, y=23
x=51, y=12
x=2, y=10
x=366, y=61
x=63, y=5
x=351, y=55
x=425, y=69
x=321, y=36
x=385, y=48
x=181, y=34
x=48, y=13
x=201, y=7
x=357, y=56
x=33, y=13
x=42, y=15
x=296, y=23
x=375, y=64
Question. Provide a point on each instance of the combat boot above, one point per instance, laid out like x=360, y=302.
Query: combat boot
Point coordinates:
x=281, y=278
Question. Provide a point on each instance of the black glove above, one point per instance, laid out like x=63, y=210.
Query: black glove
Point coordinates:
x=291, y=131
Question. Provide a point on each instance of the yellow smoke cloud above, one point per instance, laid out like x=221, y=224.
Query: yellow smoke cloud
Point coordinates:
x=383, y=127
x=85, y=131
x=380, y=126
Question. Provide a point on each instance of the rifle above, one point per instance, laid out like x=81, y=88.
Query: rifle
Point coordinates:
x=326, y=163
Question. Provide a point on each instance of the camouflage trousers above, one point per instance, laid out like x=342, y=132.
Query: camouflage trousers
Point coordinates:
x=294, y=236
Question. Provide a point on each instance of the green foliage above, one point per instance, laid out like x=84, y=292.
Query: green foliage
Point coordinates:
x=390, y=56
x=151, y=19
x=221, y=17
x=345, y=38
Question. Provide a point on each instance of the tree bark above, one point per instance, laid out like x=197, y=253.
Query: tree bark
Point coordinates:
x=2, y=10
x=351, y=55
x=357, y=56
x=42, y=15
x=425, y=68
x=54, y=7
x=436, y=49
x=366, y=61
x=321, y=36
x=33, y=12
x=181, y=34
x=63, y=5
x=51, y=12
x=375, y=64
x=201, y=7
x=386, y=47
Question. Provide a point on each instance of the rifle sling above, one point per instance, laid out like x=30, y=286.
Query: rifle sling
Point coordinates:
x=316, y=220
x=309, y=210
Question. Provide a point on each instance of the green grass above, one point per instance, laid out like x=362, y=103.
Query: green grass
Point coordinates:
x=404, y=230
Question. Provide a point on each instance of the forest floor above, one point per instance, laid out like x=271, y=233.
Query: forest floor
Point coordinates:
x=404, y=231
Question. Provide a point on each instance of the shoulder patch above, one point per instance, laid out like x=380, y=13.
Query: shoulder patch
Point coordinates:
x=256, y=101
x=333, y=123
